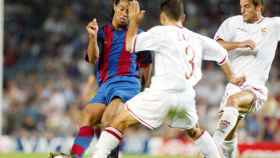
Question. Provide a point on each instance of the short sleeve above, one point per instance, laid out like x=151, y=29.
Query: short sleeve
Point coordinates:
x=148, y=41
x=213, y=51
x=225, y=31
x=277, y=27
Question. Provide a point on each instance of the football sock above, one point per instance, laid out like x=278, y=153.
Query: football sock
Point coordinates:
x=109, y=140
x=207, y=146
x=82, y=141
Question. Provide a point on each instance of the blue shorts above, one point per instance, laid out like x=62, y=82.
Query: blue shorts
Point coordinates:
x=122, y=87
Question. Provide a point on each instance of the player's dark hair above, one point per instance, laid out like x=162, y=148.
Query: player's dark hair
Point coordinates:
x=173, y=9
x=259, y=3
x=115, y=2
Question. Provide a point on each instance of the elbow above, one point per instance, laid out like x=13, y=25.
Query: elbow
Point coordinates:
x=92, y=59
x=128, y=48
x=130, y=44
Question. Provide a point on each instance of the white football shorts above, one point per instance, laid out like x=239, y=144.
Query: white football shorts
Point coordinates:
x=151, y=106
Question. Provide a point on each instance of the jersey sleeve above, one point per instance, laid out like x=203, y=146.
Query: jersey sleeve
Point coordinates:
x=148, y=41
x=224, y=32
x=213, y=51
x=277, y=27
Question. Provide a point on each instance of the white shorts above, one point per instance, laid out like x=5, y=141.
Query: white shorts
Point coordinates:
x=260, y=93
x=150, y=108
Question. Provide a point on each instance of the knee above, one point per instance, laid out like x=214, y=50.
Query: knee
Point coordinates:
x=105, y=122
x=232, y=101
x=120, y=123
x=91, y=116
x=195, y=133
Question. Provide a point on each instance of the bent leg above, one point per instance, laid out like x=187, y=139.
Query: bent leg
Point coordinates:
x=91, y=115
x=112, y=110
x=111, y=136
x=227, y=125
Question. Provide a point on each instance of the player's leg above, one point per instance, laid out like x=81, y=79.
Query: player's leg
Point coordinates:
x=186, y=118
x=227, y=124
x=91, y=115
x=148, y=108
x=112, y=110
x=204, y=142
x=112, y=136
x=121, y=89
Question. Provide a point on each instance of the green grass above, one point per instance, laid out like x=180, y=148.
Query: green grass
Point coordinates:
x=44, y=155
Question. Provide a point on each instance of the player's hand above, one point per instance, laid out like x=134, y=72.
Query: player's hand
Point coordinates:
x=135, y=14
x=92, y=29
x=238, y=80
x=248, y=44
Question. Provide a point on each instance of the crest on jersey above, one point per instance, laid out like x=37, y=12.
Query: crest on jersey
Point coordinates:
x=264, y=29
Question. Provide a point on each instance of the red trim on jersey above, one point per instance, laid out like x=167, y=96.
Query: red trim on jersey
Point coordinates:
x=223, y=61
x=124, y=62
x=104, y=66
x=191, y=62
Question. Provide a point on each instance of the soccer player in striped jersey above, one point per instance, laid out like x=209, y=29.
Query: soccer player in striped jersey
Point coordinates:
x=178, y=56
x=116, y=72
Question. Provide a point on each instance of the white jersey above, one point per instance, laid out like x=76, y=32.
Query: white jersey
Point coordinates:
x=178, y=55
x=254, y=64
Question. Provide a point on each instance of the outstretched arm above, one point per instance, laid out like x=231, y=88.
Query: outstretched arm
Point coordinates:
x=233, y=45
x=215, y=52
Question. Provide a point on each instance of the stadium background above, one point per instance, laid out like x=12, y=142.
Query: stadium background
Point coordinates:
x=45, y=78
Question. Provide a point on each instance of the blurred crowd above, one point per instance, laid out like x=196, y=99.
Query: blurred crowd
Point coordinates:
x=45, y=72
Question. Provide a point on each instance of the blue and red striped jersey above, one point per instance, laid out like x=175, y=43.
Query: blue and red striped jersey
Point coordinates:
x=114, y=60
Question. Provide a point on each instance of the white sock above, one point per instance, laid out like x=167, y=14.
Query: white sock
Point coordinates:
x=225, y=124
x=109, y=140
x=230, y=148
x=207, y=146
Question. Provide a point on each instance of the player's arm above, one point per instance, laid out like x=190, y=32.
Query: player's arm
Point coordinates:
x=228, y=45
x=226, y=68
x=226, y=33
x=92, y=49
x=212, y=51
x=135, y=17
